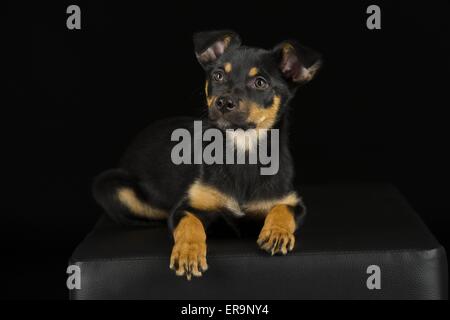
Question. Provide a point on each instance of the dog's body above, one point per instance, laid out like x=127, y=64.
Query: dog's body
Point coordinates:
x=246, y=88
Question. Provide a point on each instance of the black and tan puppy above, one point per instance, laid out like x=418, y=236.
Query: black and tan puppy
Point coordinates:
x=246, y=88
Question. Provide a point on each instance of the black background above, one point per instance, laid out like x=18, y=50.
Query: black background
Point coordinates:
x=74, y=99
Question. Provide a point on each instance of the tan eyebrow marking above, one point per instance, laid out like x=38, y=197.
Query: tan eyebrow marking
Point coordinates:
x=227, y=67
x=253, y=72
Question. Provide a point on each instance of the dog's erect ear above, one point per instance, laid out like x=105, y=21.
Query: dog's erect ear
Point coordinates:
x=210, y=45
x=297, y=63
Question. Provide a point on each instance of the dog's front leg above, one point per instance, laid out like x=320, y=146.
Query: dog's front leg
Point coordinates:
x=188, y=256
x=277, y=234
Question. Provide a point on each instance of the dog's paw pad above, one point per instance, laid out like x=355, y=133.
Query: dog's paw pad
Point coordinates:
x=189, y=259
x=276, y=240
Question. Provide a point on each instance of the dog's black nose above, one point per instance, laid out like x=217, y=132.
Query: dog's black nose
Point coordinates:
x=225, y=103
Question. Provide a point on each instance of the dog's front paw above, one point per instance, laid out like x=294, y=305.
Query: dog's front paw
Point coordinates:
x=189, y=251
x=277, y=234
x=189, y=258
x=275, y=239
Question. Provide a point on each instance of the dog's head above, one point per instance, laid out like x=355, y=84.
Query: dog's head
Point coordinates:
x=250, y=87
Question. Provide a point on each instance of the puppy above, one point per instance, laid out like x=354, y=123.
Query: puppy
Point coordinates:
x=246, y=88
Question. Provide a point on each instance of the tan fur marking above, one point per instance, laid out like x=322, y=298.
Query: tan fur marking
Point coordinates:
x=189, y=251
x=281, y=216
x=190, y=228
x=227, y=67
x=264, y=118
x=127, y=197
x=277, y=234
x=253, y=72
x=260, y=208
x=208, y=198
x=209, y=100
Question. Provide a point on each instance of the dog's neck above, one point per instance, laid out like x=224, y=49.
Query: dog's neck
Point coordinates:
x=246, y=140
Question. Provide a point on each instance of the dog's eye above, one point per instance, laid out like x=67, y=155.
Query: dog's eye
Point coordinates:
x=260, y=83
x=218, y=76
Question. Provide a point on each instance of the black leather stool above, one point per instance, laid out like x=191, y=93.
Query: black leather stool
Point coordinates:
x=358, y=242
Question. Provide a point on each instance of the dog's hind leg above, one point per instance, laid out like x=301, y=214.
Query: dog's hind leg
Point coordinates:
x=124, y=199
